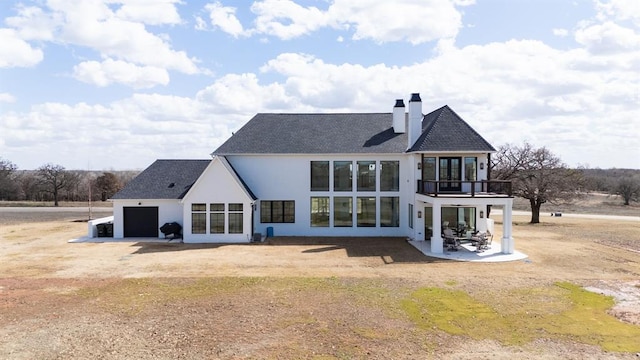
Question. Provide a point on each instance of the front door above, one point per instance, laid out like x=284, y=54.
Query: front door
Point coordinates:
x=450, y=173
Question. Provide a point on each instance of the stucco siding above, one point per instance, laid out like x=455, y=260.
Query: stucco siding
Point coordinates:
x=168, y=211
x=288, y=177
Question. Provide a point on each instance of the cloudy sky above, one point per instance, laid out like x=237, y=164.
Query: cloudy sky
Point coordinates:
x=116, y=84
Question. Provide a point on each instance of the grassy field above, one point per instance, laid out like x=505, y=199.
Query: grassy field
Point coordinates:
x=319, y=298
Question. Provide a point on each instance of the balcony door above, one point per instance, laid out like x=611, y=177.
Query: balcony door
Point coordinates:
x=450, y=173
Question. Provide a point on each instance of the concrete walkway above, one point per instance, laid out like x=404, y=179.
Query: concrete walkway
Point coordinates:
x=467, y=253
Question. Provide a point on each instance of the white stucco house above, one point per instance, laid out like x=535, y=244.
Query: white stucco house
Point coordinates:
x=396, y=174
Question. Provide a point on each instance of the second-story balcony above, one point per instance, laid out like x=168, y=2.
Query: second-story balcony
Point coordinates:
x=499, y=188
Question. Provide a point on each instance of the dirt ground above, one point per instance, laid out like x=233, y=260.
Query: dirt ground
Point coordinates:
x=289, y=298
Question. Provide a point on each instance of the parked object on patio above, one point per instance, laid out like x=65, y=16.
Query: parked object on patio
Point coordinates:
x=482, y=240
x=450, y=241
x=171, y=230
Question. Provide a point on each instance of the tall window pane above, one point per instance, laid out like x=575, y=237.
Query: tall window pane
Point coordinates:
x=319, y=176
x=342, y=211
x=366, y=175
x=470, y=168
x=289, y=209
x=366, y=211
x=429, y=169
x=389, y=176
x=198, y=218
x=390, y=211
x=320, y=211
x=216, y=218
x=342, y=176
x=265, y=211
x=235, y=219
x=411, y=216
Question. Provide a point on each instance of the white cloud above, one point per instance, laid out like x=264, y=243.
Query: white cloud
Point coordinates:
x=414, y=21
x=560, y=32
x=7, y=98
x=285, y=19
x=116, y=71
x=607, y=37
x=94, y=25
x=224, y=18
x=15, y=52
x=200, y=24
x=152, y=12
x=619, y=10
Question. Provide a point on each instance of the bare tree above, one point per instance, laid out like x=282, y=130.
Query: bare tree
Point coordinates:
x=629, y=188
x=55, y=178
x=8, y=185
x=107, y=184
x=537, y=175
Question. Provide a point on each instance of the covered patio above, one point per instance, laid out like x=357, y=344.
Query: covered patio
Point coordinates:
x=455, y=210
x=467, y=252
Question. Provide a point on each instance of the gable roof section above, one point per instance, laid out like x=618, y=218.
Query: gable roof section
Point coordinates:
x=229, y=168
x=164, y=179
x=238, y=177
x=316, y=134
x=443, y=130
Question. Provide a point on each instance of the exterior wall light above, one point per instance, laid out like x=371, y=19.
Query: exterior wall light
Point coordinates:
x=419, y=214
x=481, y=166
x=481, y=214
x=419, y=165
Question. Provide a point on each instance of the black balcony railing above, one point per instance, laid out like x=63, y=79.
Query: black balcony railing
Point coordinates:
x=473, y=188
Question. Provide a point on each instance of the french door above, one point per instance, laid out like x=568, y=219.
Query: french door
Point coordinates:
x=450, y=173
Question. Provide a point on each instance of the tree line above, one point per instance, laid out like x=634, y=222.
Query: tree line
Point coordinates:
x=51, y=182
x=536, y=174
x=541, y=177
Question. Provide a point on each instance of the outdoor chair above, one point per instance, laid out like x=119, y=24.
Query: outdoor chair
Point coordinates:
x=450, y=240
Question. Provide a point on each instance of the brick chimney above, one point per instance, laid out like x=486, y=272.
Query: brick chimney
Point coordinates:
x=399, y=118
x=415, y=119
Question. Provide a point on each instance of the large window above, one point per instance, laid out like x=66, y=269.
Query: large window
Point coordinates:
x=320, y=211
x=235, y=219
x=198, y=218
x=277, y=211
x=459, y=218
x=470, y=168
x=342, y=176
x=366, y=211
x=342, y=211
x=319, y=176
x=216, y=219
x=389, y=175
x=429, y=169
x=366, y=176
x=390, y=211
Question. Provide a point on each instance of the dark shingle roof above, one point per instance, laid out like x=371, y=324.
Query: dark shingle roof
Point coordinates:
x=164, y=179
x=316, y=134
x=444, y=130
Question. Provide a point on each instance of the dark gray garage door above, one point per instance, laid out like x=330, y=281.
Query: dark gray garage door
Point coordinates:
x=140, y=221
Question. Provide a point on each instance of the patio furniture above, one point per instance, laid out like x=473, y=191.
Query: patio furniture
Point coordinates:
x=450, y=240
x=482, y=240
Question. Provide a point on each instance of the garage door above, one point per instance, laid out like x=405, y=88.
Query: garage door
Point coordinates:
x=140, y=221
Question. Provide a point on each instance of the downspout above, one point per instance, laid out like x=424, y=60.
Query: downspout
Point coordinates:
x=488, y=178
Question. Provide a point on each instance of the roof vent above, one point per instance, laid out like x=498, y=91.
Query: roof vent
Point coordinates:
x=172, y=185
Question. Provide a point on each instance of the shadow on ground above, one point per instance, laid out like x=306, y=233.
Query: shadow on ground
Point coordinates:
x=389, y=249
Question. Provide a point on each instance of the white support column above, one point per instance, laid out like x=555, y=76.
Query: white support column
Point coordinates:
x=436, y=238
x=507, y=238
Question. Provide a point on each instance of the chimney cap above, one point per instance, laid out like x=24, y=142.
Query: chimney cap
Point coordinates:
x=399, y=103
x=415, y=97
